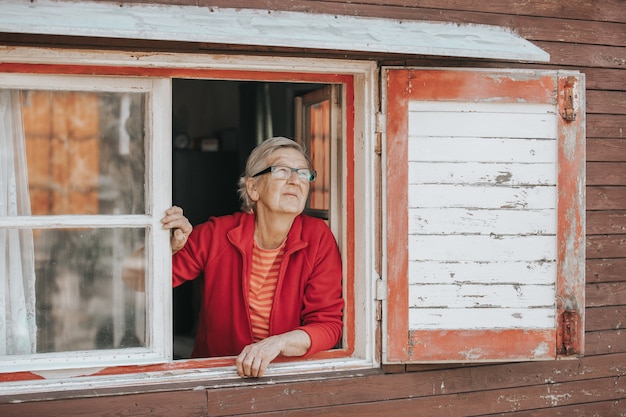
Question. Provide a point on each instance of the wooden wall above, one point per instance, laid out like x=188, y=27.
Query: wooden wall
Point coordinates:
x=586, y=35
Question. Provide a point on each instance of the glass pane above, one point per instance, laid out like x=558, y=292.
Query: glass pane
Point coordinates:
x=81, y=301
x=85, y=151
x=318, y=123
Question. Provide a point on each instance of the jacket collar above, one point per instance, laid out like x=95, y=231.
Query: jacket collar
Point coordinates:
x=242, y=235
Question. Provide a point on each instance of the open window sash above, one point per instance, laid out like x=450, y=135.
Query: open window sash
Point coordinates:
x=83, y=218
x=483, y=215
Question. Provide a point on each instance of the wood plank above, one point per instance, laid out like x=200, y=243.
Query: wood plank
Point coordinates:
x=454, y=248
x=171, y=403
x=605, y=270
x=606, y=173
x=604, y=343
x=450, y=319
x=461, y=273
x=480, y=296
x=600, y=10
x=483, y=173
x=608, y=102
x=596, y=78
x=473, y=149
x=595, y=408
x=448, y=220
x=371, y=389
x=604, y=79
x=584, y=55
x=570, y=281
x=445, y=119
x=606, y=198
x=479, y=402
x=606, y=222
x=606, y=126
x=605, y=318
x=605, y=294
x=458, y=196
x=606, y=150
x=606, y=246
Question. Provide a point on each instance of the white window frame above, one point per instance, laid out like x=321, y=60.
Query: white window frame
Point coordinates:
x=158, y=340
x=364, y=76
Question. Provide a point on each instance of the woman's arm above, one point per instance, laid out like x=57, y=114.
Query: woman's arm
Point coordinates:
x=254, y=359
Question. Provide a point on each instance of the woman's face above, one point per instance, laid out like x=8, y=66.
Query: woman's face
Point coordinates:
x=281, y=196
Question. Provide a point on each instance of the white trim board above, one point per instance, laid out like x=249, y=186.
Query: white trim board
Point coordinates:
x=264, y=28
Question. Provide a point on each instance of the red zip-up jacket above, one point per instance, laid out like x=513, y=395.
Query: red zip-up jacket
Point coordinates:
x=308, y=293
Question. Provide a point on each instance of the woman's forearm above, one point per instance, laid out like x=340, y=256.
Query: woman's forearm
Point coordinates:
x=254, y=359
x=296, y=343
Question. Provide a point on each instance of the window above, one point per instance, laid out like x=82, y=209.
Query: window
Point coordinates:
x=101, y=194
x=216, y=135
x=140, y=118
x=318, y=127
x=78, y=193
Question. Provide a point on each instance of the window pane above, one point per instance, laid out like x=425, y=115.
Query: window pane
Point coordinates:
x=85, y=151
x=81, y=301
x=318, y=116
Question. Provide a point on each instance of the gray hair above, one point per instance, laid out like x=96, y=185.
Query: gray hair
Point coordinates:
x=258, y=161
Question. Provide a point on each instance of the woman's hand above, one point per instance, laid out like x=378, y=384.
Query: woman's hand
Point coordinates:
x=179, y=225
x=254, y=359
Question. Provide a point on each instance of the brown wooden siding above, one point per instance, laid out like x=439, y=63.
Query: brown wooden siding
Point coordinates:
x=584, y=35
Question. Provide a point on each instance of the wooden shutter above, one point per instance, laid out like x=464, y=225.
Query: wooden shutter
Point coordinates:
x=484, y=215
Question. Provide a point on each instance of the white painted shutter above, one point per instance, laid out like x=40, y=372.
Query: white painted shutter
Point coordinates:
x=484, y=215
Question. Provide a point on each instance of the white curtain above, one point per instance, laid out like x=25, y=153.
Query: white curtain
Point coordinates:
x=17, y=266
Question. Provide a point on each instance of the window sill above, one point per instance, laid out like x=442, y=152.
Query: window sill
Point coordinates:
x=180, y=379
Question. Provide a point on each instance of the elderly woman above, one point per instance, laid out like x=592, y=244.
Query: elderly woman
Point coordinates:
x=272, y=275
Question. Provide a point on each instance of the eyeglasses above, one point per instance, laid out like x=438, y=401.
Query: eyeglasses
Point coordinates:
x=281, y=172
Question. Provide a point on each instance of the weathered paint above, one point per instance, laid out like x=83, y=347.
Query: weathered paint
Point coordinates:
x=451, y=182
x=489, y=183
x=571, y=212
x=203, y=73
x=469, y=346
x=214, y=25
x=473, y=86
x=396, y=317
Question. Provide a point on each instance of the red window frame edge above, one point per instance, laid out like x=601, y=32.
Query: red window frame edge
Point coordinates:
x=221, y=74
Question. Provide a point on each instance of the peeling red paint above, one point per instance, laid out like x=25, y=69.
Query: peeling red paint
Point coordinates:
x=486, y=86
x=571, y=211
x=481, y=345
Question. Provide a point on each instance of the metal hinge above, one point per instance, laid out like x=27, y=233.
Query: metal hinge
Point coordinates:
x=381, y=122
x=380, y=129
x=568, y=112
x=381, y=290
x=568, y=342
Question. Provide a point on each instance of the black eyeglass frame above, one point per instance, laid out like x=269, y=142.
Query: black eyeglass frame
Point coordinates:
x=271, y=169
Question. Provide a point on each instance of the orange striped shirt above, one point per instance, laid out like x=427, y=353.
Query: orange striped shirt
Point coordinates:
x=263, y=280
